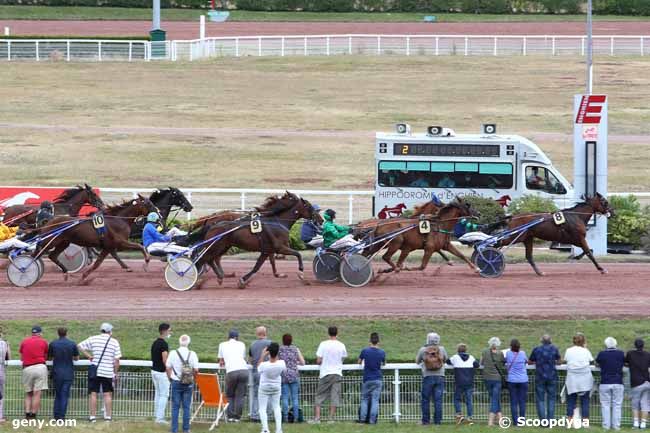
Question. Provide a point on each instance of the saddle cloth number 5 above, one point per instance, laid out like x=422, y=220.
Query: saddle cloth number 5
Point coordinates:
x=558, y=218
x=256, y=223
x=424, y=226
x=98, y=221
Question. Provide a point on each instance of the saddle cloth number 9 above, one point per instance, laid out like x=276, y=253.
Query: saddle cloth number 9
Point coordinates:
x=558, y=218
x=98, y=221
x=424, y=226
x=256, y=223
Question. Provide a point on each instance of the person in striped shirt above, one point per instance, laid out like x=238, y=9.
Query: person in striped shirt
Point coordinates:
x=104, y=352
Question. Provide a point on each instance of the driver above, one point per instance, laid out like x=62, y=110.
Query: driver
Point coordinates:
x=336, y=236
x=45, y=213
x=8, y=239
x=156, y=242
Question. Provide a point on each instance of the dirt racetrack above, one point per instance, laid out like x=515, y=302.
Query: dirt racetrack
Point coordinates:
x=568, y=291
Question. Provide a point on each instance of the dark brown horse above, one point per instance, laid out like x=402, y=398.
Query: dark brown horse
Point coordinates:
x=69, y=202
x=117, y=221
x=438, y=239
x=573, y=231
x=282, y=213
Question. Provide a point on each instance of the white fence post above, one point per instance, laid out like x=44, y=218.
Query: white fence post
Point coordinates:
x=189, y=198
x=259, y=47
x=553, y=45
x=67, y=50
x=379, y=45
x=642, y=47
x=243, y=201
x=466, y=44
x=350, y=208
x=525, y=46
x=9, y=50
x=130, y=50
x=38, y=57
x=495, y=45
x=327, y=46
x=236, y=47
x=350, y=45
x=582, y=50
x=437, y=46
x=282, y=47
x=611, y=46
x=99, y=50
x=305, y=46
x=408, y=45
x=397, y=413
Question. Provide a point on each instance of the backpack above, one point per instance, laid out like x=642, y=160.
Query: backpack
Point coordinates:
x=432, y=358
x=187, y=372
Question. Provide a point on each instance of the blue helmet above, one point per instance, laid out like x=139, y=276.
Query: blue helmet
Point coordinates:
x=153, y=217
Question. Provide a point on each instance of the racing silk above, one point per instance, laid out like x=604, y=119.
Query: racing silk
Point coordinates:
x=7, y=232
x=151, y=235
x=332, y=232
x=463, y=226
x=308, y=231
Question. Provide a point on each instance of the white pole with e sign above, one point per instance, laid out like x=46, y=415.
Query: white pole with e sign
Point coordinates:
x=590, y=161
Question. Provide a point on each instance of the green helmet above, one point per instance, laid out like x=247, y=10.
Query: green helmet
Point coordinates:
x=153, y=217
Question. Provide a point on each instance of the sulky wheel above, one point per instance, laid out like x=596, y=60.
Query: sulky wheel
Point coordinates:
x=74, y=258
x=326, y=267
x=356, y=270
x=24, y=271
x=490, y=261
x=181, y=274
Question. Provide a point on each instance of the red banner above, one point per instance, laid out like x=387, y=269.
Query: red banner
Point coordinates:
x=10, y=196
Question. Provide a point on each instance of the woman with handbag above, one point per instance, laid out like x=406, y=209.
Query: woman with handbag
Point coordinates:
x=493, y=362
x=517, y=377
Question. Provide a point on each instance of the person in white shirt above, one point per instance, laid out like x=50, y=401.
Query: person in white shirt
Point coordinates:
x=270, y=386
x=182, y=388
x=329, y=356
x=232, y=356
x=579, y=380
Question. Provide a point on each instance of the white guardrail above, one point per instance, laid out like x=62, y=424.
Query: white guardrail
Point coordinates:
x=400, y=399
x=319, y=45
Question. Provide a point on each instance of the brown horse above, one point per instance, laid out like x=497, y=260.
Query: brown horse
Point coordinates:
x=573, y=231
x=69, y=202
x=117, y=222
x=438, y=239
x=273, y=239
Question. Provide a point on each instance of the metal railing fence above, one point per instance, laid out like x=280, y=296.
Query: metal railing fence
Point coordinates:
x=400, y=398
x=74, y=50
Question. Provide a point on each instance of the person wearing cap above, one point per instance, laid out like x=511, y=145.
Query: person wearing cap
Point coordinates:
x=611, y=389
x=5, y=355
x=638, y=360
x=33, y=354
x=232, y=357
x=311, y=233
x=63, y=352
x=156, y=242
x=181, y=392
x=433, y=381
x=104, y=353
x=336, y=236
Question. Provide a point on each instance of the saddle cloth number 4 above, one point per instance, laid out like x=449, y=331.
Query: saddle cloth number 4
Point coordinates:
x=98, y=221
x=558, y=218
x=424, y=226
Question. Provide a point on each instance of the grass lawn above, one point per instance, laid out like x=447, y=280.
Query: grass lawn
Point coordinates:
x=25, y=12
x=263, y=122
x=401, y=337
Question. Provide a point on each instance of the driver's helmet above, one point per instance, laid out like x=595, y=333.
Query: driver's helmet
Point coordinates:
x=45, y=204
x=153, y=217
x=330, y=213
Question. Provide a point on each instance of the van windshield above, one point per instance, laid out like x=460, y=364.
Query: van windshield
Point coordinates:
x=542, y=179
x=449, y=175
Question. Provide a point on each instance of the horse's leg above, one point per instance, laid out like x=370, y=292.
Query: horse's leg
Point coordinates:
x=54, y=256
x=120, y=262
x=393, y=247
x=288, y=251
x=428, y=252
x=402, y=257
x=275, y=271
x=455, y=251
x=529, y=255
x=579, y=256
x=95, y=265
x=586, y=250
x=445, y=258
x=125, y=244
x=243, y=281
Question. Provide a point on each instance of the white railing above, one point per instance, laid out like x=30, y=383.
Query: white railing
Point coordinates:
x=76, y=50
x=407, y=45
x=400, y=399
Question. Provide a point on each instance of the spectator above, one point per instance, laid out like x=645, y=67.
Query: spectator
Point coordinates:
x=464, y=365
x=579, y=381
x=432, y=358
x=181, y=367
x=63, y=352
x=372, y=358
x=493, y=361
x=611, y=361
x=329, y=356
x=292, y=358
x=270, y=386
x=33, y=354
x=639, y=362
x=311, y=233
x=545, y=357
x=159, y=354
x=254, y=354
x=5, y=355
x=104, y=354
x=517, y=379
x=232, y=356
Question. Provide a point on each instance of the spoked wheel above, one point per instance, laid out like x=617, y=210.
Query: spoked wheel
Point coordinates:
x=356, y=270
x=326, y=267
x=181, y=274
x=490, y=261
x=74, y=258
x=24, y=271
x=41, y=267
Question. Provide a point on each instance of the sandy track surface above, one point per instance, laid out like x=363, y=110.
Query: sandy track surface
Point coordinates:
x=568, y=291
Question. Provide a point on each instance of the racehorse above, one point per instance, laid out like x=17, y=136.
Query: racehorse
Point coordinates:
x=115, y=236
x=281, y=214
x=439, y=238
x=165, y=200
x=568, y=227
x=69, y=202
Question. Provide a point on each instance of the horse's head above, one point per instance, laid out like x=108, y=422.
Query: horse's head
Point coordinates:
x=600, y=205
x=92, y=198
x=306, y=210
x=177, y=198
x=458, y=208
x=141, y=206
